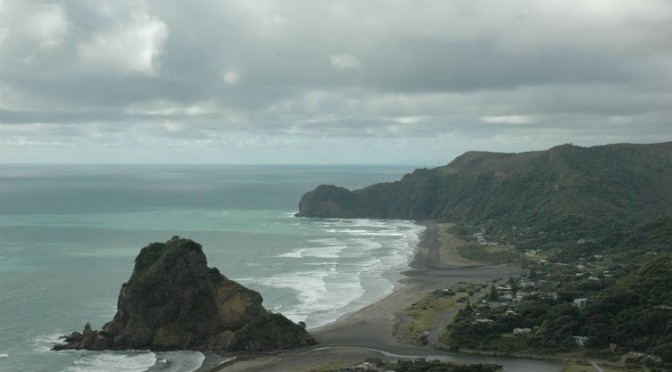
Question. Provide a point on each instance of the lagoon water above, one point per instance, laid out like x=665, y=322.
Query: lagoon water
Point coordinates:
x=69, y=235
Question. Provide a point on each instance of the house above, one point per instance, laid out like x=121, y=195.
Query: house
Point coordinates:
x=522, y=331
x=484, y=321
x=553, y=295
x=506, y=297
x=580, y=302
x=527, y=283
x=521, y=294
x=642, y=357
x=366, y=366
x=580, y=340
x=480, y=238
x=448, y=292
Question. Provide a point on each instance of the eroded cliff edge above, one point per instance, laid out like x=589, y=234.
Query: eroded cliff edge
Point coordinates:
x=174, y=301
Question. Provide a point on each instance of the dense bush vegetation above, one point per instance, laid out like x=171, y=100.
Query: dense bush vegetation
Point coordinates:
x=567, y=192
x=627, y=308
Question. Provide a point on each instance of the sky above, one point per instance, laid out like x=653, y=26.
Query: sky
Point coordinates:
x=328, y=82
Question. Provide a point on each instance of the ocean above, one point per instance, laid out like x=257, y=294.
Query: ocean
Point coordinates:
x=69, y=235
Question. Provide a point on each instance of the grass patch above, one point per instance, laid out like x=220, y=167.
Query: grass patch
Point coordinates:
x=575, y=366
x=490, y=253
x=582, y=366
x=508, y=342
x=413, y=323
x=335, y=366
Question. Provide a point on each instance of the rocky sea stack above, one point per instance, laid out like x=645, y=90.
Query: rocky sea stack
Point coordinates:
x=174, y=301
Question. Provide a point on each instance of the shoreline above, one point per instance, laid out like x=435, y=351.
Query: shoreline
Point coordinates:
x=433, y=267
x=367, y=332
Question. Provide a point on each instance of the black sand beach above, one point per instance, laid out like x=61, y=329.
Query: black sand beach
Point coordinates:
x=368, y=332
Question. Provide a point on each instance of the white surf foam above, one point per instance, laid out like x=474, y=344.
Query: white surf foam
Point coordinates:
x=44, y=343
x=383, y=248
x=324, y=263
x=297, y=253
x=364, y=258
x=181, y=361
x=317, y=293
x=4, y=355
x=366, y=243
x=113, y=361
x=324, y=241
x=331, y=251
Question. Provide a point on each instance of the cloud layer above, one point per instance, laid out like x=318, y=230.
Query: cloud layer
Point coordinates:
x=329, y=81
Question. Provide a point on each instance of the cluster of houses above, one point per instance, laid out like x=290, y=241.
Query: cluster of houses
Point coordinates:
x=377, y=364
x=543, y=285
x=509, y=296
x=480, y=237
x=363, y=367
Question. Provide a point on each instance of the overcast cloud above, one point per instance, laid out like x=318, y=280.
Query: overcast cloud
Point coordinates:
x=416, y=82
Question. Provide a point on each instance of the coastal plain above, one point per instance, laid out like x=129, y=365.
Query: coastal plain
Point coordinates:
x=368, y=332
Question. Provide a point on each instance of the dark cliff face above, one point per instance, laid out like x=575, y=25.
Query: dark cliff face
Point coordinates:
x=600, y=188
x=174, y=301
x=328, y=201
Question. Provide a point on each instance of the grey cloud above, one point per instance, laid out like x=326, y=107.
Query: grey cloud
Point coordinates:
x=508, y=74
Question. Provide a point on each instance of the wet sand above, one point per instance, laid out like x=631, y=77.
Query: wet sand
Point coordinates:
x=368, y=332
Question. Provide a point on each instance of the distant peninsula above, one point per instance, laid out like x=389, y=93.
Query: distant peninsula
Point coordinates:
x=567, y=191
x=174, y=301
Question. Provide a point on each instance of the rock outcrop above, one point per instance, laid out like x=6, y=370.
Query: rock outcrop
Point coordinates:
x=174, y=301
x=331, y=202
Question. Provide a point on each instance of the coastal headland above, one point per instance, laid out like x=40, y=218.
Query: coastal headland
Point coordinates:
x=368, y=333
x=550, y=202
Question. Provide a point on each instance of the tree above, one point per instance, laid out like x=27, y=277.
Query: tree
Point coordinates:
x=493, y=292
x=467, y=307
x=532, y=275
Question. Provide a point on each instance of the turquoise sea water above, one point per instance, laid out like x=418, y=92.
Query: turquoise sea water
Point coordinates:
x=69, y=234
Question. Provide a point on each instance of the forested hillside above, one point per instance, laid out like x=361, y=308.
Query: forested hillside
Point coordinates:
x=583, y=191
x=591, y=299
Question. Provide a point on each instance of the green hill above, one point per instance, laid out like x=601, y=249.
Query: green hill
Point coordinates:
x=581, y=190
x=633, y=313
x=631, y=245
